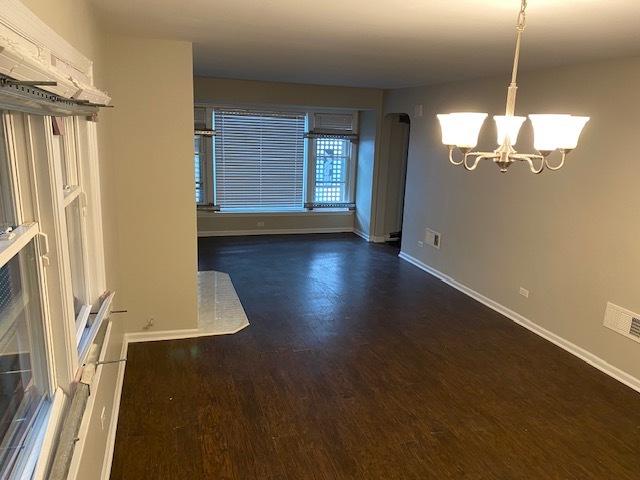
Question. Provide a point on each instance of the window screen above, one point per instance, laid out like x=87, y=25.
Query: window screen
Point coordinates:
x=259, y=159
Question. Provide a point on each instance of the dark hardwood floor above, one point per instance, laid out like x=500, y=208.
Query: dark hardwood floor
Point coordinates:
x=359, y=365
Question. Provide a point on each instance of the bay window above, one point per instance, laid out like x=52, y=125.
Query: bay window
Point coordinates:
x=274, y=160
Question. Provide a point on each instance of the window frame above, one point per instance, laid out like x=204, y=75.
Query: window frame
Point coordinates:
x=350, y=175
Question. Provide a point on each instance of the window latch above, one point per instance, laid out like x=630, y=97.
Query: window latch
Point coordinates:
x=43, y=244
x=7, y=234
x=83, y=203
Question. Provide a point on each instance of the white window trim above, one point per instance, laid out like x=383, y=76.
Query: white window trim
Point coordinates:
x=30, y=49
x=283, y=213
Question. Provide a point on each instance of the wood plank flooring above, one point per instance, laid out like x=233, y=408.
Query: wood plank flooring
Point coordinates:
x=358, y=365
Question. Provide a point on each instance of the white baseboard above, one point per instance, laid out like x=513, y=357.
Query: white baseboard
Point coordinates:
x=570, y=347
x=378, y=238
x=115, y=412
x=281, y=231
x=361, y=234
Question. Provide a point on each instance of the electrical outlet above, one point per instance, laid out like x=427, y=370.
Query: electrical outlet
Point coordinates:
x=420, y=243
x=102, y=415
x=260, y=224
x=524, y=292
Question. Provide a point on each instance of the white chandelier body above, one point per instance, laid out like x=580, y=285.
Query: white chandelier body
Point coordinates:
x=552, y=132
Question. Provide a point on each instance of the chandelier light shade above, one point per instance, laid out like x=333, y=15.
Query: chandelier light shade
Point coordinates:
x=462, y=129
x=551, y=132
x=508, y=128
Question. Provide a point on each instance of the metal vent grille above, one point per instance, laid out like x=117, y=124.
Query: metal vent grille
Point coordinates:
x=623, y=321
x=635, y=327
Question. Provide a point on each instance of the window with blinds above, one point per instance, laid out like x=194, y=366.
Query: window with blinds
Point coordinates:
x=259, y=160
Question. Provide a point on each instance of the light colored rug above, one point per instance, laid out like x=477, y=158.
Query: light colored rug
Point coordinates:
x=219, y=309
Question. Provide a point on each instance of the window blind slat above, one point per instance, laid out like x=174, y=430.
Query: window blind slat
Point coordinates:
x=259, y=159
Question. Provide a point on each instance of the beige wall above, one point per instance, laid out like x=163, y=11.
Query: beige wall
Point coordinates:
x=212, y=224
x=570, y=237
x=150, y=149
x=243, y=92
x=74, y=20
x=226, y=91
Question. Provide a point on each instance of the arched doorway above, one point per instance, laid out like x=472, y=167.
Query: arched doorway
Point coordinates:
x=396, y=129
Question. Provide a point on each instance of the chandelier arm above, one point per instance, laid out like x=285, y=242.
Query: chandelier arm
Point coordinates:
x=454, y=162
x=478, y=157
x=526, y=156
x=560, y=165
x=529, y=160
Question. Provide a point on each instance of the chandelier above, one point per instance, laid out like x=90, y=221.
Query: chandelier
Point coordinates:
x=552, y=132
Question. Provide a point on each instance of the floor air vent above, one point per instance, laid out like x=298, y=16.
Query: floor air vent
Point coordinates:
x=622, y=321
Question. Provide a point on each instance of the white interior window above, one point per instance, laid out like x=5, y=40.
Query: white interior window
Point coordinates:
x=66, y=154
x=26, y=375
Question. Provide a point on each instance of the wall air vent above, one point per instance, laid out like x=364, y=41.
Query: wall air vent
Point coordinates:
x=635, y=327
x=622, y=321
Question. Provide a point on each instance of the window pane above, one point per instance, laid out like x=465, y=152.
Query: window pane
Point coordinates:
x=332, y=162
x=74, y=235
x=7, y=215
x=23, y=384
x=65, y=152
x=259, y=159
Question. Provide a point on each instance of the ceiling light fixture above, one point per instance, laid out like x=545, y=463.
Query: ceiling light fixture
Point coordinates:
x=551, y=132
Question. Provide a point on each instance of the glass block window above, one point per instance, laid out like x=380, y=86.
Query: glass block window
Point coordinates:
x=331, y=169
x=197, y=141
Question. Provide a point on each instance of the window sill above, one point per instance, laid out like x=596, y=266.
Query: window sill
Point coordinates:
x=206, y=212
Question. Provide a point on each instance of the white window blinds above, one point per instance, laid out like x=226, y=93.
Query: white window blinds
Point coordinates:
x=259, y=159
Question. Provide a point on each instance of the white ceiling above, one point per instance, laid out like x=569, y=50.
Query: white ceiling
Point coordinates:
x=375, y=43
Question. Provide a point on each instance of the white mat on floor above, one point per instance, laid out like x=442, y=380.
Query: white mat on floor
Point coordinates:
x=219, y=309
